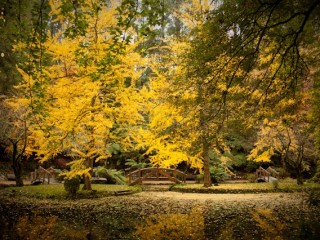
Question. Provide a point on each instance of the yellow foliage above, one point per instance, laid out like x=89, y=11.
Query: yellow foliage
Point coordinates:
x=47, y=228
x=183, y=111
x=85, y=109
x=274, y=137
x=269, y=223
x=78, y=168
x=44, y=227
x=265, y=156
x=173, y=226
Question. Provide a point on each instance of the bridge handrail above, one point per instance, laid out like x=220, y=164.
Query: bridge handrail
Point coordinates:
x=273, y=172
x=263, y=174
x=151, y=168
x=41, y=173
x=140, y=171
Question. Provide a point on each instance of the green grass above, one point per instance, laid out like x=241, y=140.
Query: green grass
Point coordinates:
x=57, y=191
x=287, y=185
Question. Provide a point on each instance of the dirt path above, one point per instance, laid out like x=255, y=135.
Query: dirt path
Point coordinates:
x=13, y=183
x=212, y=197
x=261, y=199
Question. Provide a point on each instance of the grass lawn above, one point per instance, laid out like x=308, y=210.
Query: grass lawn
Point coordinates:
x=58, y=191
x=287, y=185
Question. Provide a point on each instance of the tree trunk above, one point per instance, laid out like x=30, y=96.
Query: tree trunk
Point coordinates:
x=299, y=166
x=299, y=178
x=87, y=180
x=206, y=167
x=87, y=183
x=91, y=145
x=16, y=165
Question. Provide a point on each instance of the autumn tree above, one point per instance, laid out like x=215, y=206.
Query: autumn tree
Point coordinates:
x=290, y=141
x=283, y=27
x=191, y=111
x=277, y=42
x=87, y=96
x=248, y=58
x=263, y=56
x=14, y=134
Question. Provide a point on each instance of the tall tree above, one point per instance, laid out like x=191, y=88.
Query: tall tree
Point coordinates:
x=283, y=27
x=193, y=108
x=89, y=99
x=290, y=141
x=14, y=133
x=21, y=23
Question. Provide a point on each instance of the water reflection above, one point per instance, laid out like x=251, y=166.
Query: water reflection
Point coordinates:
x=201, y=222
x=48, y=228
x=33, y=227
x=173, y=226
x=269, y=223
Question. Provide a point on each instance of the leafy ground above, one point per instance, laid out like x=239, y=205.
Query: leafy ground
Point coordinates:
x=160, y=215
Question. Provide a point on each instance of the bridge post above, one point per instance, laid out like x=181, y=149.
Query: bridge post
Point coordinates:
x=158, y=171
x=175, y=175
x=129, y=179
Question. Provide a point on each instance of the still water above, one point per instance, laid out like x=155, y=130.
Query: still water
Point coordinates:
x=147, y=220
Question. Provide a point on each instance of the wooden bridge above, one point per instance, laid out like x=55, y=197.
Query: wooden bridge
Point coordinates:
x=266, y=175
x=156, y=174
x=42, y=175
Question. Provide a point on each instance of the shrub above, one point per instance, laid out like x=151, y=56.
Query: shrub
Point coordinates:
x=113, y=176
x=100, y=171
x=313, y=197
x=316, y=178
x=282, y=173
x=199, y=178
x=275, y=184
x=116, y=176
x=72, y=185
x=251, y=177
x=217, y=173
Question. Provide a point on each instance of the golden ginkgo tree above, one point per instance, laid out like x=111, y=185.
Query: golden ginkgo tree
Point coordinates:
x=193, y=97
x=90, y=97
x=288, y=140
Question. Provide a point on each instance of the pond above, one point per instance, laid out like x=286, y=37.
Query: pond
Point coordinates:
x=147, y=216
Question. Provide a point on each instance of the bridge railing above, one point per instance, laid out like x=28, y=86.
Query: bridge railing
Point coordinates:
x=263, y=174
x=42, y=174
x=155, y=174
x=273, y=172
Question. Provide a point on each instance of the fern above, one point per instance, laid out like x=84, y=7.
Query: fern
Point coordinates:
x=136, y=164
x=117, y=176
